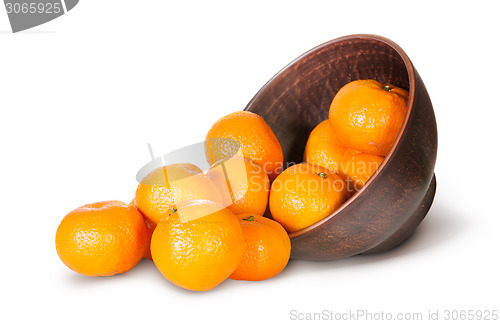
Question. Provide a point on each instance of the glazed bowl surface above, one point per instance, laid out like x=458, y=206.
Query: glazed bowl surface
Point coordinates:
x=398, y=196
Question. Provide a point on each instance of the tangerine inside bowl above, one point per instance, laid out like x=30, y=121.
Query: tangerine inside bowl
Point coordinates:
x=397, y=197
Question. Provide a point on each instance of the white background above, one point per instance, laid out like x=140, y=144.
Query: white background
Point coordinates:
x=81, y=96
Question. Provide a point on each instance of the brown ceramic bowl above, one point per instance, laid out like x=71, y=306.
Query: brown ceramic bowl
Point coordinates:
x=397, y=197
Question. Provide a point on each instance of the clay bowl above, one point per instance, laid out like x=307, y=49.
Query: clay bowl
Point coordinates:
x=398, y=196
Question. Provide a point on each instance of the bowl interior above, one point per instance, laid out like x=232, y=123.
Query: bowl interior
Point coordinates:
x=298, y=97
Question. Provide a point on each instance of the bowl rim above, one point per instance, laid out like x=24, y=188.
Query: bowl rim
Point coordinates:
x=402, y=131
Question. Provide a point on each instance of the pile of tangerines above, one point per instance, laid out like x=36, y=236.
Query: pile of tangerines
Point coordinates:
x=200, y=228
